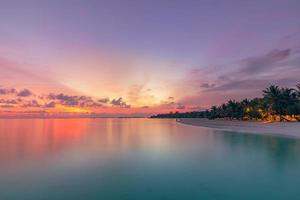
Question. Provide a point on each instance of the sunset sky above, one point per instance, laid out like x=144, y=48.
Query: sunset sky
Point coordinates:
x=138, y=57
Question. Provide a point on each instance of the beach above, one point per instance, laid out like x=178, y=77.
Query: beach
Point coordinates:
x=285, y=129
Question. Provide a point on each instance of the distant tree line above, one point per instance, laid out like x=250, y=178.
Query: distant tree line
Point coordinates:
x=277, y=104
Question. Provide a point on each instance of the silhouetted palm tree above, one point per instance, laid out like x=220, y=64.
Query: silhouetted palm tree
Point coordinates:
x=272, y=95
x=288, y=100
x=282, y=102
x=298, y=90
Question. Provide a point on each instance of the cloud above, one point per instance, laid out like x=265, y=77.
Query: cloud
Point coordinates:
x=69, y=100
x=104, y=100
x=90, y=104
x=256, y=84
x=8, y=101
x=24, y=93
x=32, y=104
x=242, y=78
x=119, y=102
x=180, y=106
x=260, y=63
x=207, y=85
x=64, y=99
x=5, y=91
x=50, y=105
x=276, y=67
x=171, y=104
x=167, y=104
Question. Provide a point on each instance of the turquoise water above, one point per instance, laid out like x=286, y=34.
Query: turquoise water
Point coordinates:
x=141, y=159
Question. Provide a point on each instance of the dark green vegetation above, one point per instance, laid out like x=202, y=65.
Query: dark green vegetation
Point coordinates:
x=277, y=104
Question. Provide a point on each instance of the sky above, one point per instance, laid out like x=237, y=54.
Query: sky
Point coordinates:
x=138, y=57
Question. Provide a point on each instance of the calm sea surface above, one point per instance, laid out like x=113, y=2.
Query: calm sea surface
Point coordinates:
x=141, y=159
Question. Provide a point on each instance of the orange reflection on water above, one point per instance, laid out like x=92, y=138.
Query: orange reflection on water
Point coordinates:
x=30, y=138
x=38, y=139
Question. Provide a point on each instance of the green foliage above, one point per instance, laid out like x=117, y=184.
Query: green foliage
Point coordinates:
x=276, y=101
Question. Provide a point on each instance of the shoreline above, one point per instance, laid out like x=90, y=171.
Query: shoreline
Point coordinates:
x=282, y=129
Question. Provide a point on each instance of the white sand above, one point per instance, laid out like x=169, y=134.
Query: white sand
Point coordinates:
x=286, y=129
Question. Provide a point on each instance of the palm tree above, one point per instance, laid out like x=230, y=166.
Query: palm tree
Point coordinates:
x=295, y=109
x=230, y=109
x=213, y=112
x=298, y=90
x=272, y=95
x=288, y=100
x=246, y=108
x=283, y=102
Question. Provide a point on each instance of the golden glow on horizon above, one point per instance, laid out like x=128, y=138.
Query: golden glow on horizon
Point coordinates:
x=61, y=108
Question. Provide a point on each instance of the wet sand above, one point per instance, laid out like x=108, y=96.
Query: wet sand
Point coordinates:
x=285, y=129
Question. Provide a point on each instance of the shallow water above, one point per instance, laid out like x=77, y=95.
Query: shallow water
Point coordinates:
x=112, y=159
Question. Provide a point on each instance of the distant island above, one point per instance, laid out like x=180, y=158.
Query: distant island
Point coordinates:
x=277, y=104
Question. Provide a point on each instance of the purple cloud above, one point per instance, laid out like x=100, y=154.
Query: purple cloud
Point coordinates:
x=50, y=105
x=119, y=102
x=32, y=104
x=207, y=85
x=69, y=100
x=24, y=93
x=104, y=100
x=260, y=63
x=8, y=101
x=4, y=91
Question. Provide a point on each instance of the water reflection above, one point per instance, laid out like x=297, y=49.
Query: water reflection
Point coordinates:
x=145, y=159
x=30, y=139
